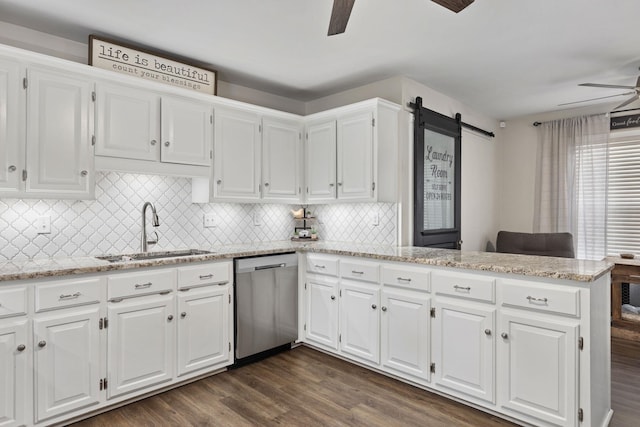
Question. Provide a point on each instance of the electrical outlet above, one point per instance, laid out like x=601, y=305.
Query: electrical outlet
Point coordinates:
x=43, y=225
x=375, y=219
x=209, y=221
x=257, y=220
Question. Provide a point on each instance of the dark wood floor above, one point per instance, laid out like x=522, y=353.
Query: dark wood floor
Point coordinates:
x=304, y=387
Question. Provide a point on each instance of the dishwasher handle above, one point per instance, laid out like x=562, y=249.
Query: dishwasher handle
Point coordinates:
x=267, y=267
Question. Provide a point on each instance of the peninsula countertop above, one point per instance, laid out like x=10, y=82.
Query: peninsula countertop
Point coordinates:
x=525, y=265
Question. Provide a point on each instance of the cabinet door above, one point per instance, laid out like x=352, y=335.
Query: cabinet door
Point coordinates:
x=187, y=131
x=59, y=131
x=464, y=348
x=322, y=311
x=203, y=329
x=13, y=374
x=140, y=344
x=405, y=327
x=355, y=157
x=11, y=125
x=236, y=155
x=66, y=358
x=320, y=161
x=538, y=367
x=127, y=122
x=281, y=160
x=360, y=321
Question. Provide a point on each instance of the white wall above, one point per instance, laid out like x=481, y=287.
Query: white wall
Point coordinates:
x=36, y=41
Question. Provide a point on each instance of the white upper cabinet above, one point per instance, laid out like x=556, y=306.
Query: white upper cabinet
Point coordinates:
x=355, y=156
x=281, y=160
x=237, y=154
x=127, y=122
x=349, y=150
x=59, y=155
x=320, y=161
x=11, y=126
x=186, y=131
x=139, y=124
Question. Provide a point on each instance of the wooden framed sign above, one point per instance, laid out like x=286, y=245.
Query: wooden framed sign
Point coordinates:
x=624, y=122
x=136, y=62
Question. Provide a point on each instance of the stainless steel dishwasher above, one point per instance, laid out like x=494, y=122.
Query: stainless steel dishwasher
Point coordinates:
x=266, y=290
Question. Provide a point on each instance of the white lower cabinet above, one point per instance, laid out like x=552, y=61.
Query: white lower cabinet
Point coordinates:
x=539, y=365
x=14, y=373
x=67, y=361
x=322, y=311
x=140, y=343
x=464, y=348
x=360, y=320
x=203, y=328
x=405, y=326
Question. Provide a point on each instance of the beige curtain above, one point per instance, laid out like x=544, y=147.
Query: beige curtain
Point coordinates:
x=571, y=181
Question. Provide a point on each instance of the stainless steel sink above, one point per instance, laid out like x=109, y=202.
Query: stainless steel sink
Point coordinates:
x=141, y=256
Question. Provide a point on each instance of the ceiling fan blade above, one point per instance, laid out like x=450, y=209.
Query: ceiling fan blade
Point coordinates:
x=638, y=82
x=594, y=99
x=607, y=86
x=454, y=5
x=627, y=102
x=340, y=16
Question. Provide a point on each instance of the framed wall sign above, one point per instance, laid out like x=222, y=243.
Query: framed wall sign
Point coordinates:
x=136, y=62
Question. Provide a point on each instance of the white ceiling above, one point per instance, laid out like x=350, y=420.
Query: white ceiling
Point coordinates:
x=506, y=58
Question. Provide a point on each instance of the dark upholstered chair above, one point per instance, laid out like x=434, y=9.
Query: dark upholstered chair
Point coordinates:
x=545, y=244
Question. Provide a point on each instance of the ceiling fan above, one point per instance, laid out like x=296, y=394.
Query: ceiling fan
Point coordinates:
x=342, y=10
x=635, y=93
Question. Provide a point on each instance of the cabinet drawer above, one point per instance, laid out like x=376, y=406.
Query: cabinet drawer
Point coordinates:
x=406, y=277
x=540, y=297
x=13, y=302
x=68, y=293
x=462, y=285
x=144, y=283
x=360, y=270
x=322, y=265
x=207, y=274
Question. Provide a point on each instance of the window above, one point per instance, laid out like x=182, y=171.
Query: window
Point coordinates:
x=623, y=200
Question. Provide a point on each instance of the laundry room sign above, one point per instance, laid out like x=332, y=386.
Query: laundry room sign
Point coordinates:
x=118, y=57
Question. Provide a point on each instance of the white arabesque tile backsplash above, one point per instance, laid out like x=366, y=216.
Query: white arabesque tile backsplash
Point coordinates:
x=111, y=222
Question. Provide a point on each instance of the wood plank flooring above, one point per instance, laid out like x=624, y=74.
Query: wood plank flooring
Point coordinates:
x=304, y=387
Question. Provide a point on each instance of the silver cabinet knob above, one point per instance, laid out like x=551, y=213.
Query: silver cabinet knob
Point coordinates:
x=21, y=347
x=12, y=168
x=331, y=184
x=154, y=142
x=84, y=173
x=339, y=184
x=504, y=335
x=167, y=143
x=487, y=331
x=170, y=317
x=183, y=314
x=266, y=184
x=42, y=343
x=333, y=297
x=383, y=308
x=374, y=306
x=219, y=182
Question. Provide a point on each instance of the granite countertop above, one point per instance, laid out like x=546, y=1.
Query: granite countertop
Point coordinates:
x=556, y=268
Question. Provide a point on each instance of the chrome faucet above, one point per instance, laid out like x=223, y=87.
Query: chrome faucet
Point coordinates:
x=154, y=220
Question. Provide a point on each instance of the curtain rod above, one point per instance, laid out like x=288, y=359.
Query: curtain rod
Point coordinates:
x=607, y=114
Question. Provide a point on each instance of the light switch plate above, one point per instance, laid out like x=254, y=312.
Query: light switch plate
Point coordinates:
x=257, y=220
x=43, y=225
x=209, y=221
x=375, y=218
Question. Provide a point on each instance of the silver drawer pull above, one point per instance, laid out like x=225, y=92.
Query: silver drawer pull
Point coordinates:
x=69, y=296
x=533, y=299
x=403, y=279
x=206, y=276
x=462, y=288
x=319, y=266
x=143, y=285
x=357, y=272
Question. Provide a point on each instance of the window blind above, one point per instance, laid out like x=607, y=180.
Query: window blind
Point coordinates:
x=623, y=201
